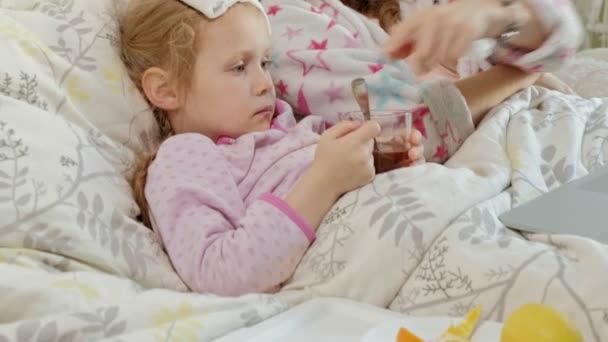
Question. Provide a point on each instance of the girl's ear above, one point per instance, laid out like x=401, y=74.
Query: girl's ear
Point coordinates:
x=159, y=89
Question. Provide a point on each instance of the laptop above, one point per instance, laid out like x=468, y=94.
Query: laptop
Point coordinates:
x=576, y=208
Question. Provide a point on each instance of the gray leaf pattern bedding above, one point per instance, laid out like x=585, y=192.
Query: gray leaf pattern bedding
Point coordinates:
x=427, y=240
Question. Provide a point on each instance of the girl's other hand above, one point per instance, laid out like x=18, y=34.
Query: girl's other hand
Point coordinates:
x=416, y=151
x=344, y=159
x=415, y=148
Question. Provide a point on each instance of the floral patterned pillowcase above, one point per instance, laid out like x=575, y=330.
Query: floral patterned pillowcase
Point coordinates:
x=71, y=124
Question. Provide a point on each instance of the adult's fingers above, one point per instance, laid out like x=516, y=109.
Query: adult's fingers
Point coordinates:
x=400, y=44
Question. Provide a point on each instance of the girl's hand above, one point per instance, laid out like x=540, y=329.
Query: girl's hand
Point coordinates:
x=344, y=159
x=343, y=162
x=443, y=33
x=416, y=151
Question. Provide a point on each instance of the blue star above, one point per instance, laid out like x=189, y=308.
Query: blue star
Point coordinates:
x=385, y=89
x=400, y=65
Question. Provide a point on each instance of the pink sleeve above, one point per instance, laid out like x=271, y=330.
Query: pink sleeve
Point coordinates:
x=216, y=243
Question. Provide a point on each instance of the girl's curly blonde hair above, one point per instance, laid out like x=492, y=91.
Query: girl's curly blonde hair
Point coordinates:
x=164, y=34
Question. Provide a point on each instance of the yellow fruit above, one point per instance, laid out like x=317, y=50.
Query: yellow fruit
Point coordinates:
x=538, y=323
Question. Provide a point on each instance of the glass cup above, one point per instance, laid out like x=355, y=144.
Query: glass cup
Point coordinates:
x=392, y=145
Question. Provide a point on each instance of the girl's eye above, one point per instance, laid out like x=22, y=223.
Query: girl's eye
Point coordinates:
x=239, y=68
x=266, y=65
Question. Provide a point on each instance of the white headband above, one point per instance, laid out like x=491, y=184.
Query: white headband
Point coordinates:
x=213, y=9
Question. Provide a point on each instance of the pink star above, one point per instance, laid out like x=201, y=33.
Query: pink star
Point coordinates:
x=273, y=10
x=302, y=102
x=352, y=42
x=307, y=66
x=446, y=134
x=314, y=45
x=291, y=33
x=315, y=10
x=418, y=115
x=325, y=5
x=334, y=93
x=332, y=23
x=282, y=88
x=441, y=152
x=374, y=68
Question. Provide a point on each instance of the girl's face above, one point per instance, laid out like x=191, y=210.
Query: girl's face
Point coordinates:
x=232, y=92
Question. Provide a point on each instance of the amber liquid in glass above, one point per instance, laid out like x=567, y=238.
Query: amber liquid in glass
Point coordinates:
x=388, y=161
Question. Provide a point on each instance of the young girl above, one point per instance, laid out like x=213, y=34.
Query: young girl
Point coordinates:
x=237, y=189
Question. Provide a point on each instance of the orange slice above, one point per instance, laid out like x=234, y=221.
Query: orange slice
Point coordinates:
x=405, y=335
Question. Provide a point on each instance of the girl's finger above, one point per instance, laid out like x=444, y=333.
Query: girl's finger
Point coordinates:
x=416, y=153
x=415, y=137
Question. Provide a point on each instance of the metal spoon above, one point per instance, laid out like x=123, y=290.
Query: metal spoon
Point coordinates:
x=359, y=88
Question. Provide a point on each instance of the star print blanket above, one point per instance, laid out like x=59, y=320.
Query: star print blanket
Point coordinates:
x=321, y=45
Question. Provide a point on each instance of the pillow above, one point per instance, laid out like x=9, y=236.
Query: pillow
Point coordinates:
x=587, y=73
x=17, y=4
x=71, y=125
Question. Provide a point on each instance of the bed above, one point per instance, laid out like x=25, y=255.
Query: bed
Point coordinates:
x=76, y=265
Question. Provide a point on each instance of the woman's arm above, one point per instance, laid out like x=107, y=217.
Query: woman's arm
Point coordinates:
x=549, y=33
x=487, y=89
